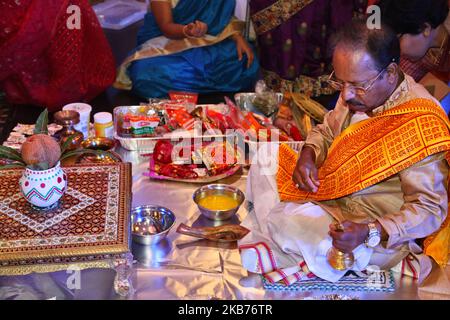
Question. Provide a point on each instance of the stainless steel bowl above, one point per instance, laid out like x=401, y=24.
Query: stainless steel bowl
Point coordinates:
x=214, y=189
x=151, y=224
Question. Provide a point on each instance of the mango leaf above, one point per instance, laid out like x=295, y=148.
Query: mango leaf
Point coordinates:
x=42, y=123
x=72, y=153
x=67, y=143
x=12, y=166
x=11, y=154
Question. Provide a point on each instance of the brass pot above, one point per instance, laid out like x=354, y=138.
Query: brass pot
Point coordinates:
x=68, y=119
x=339, y=260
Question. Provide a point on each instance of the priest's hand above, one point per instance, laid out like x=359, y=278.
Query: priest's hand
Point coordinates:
x=352, y=235
x=305, y=173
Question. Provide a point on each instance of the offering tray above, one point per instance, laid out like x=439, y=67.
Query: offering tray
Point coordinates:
x=88, y=227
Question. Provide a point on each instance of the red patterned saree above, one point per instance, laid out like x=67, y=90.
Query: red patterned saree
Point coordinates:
x=44, y=60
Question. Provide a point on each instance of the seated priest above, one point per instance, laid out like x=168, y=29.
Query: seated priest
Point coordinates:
x=193, y=46
x=371, y=180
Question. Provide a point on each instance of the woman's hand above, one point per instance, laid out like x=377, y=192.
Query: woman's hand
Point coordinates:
x=195, y=29
x=242, y=48
x=162, y=11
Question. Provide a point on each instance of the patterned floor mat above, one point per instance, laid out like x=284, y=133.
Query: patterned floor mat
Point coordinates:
x=382, y=281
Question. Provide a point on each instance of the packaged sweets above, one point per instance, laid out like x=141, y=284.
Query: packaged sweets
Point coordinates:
x=139, y=121
x=181, y=116
x=142, y=126
x=184, y=96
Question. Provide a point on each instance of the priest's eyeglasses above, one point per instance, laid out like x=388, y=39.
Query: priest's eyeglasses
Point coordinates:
x=358, y=89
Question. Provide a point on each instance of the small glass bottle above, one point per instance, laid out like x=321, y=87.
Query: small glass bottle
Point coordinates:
x=103, y=125
x=68, y=119
x=125, y=125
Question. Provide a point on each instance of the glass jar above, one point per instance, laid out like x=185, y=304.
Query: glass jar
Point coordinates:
x=103, y=125
x=68, y=119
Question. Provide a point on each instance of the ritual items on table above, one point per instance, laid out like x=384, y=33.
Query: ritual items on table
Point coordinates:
x=193, y=161
x=97, y=203
x=43, y=182
x=183, y=96
x=297, y=114
x=177, y=118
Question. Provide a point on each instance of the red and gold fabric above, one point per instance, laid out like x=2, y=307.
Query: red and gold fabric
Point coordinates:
x=277, y=13
x=53, y=53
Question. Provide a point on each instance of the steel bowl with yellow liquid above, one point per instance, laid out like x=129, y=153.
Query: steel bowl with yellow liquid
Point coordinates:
x=218, y=201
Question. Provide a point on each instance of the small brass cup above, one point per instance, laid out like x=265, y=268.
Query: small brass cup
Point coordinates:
x=339, y=260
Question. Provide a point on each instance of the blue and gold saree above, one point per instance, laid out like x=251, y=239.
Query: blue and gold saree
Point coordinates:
x=202, y=65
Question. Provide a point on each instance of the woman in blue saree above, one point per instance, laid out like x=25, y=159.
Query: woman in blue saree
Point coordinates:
x=192, y=46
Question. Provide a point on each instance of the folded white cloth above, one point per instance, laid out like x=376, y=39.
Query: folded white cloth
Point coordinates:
x=298, y=233
x=286, y=236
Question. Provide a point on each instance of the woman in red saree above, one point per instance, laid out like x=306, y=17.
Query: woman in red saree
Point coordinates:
x=45, y=62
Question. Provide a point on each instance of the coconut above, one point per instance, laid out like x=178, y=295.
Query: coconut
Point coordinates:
x=41, y=148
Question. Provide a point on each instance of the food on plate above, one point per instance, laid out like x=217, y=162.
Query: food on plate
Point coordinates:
x=194, y=161
x=139, y=121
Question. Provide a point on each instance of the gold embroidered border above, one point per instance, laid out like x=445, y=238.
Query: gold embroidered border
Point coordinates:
x=24, y=270
x=311, y=87
x=274, y=15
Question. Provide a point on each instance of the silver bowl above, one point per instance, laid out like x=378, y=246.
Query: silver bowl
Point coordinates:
x=214, y=189
x=151, y=224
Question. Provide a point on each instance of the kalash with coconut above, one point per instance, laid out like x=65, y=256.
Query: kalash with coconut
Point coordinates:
x=43, y=181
